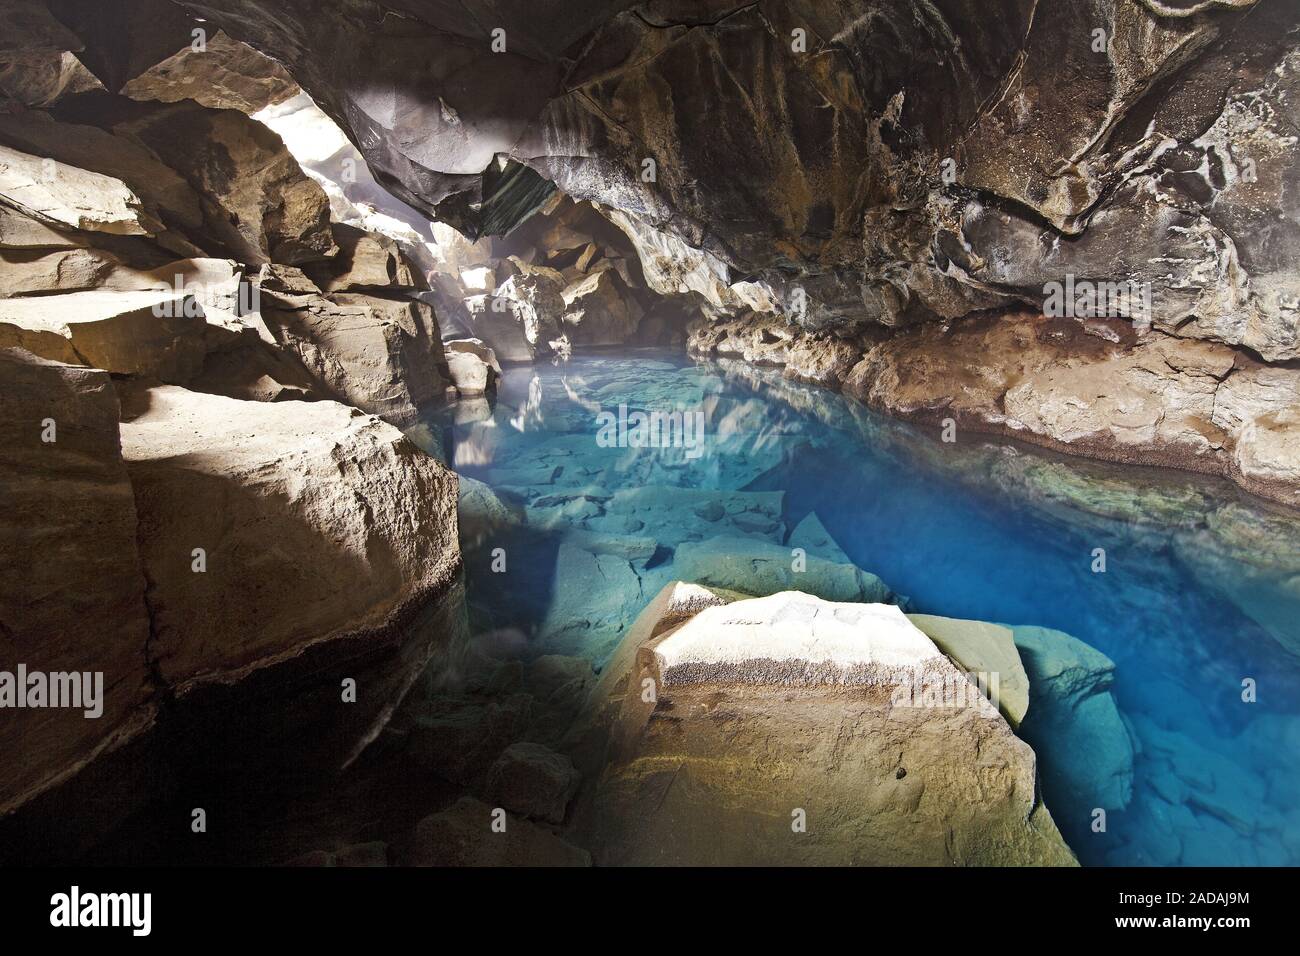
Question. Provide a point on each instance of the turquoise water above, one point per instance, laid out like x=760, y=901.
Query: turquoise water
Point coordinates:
x=1200, y=592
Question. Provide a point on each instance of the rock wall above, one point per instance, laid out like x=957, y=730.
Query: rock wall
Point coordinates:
x=862, y=165
x=214, y=512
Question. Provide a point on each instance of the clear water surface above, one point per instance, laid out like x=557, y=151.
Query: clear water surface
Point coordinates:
x=1201, y=590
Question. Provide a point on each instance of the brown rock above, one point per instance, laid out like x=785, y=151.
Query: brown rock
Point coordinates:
x=72, y=587
x=534, y=781
x=462, y=835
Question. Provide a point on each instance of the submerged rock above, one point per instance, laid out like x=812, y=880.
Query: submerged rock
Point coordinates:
x=756, y=567
x=1076, y=726
x=986, y=649
x=781, y=730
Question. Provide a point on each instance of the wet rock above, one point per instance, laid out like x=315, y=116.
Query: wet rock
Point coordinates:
x=983, y=649
x=72, y=591
x=811, y=535
x=463, y=835
x=533, y=781
x=756, y=567
x=770, y=711
x=1083, y=743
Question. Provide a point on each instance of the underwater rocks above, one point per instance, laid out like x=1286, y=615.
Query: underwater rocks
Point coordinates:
x=533, y=781
x=757, y=567
x=1073, y=721
x=772, y=733
x=982, y=648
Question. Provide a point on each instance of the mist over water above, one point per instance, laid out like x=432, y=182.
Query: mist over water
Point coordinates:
x=1199, y=591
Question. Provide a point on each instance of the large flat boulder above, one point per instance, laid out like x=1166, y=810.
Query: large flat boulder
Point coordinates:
x=159, y=333
x=792, y=730
x=328, y=551
x=1075, y=724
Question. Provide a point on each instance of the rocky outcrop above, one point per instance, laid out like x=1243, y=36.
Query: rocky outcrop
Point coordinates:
x=72, y=597
x=379, y=353
x=784, y=730
x=269, y=462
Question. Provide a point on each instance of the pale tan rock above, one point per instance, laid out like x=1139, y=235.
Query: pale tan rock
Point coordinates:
x=23, y=232
x=60, y=195
x=327, y=523
x=29, y=272
x=72, y=587
x=521, y=319
x=711, y=741
x=227, y=74
x=473, y=365
x=160, y=334
x=163, y=190
x=366, y=260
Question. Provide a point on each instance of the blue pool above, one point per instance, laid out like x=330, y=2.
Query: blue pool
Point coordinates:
x=1198, y=605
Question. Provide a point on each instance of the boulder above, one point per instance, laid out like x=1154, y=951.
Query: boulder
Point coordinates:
x=756, y=567
x=160, y=334
x=72, y=592
x=366, y=260
x=1076, y=726
x=600, y=310
x=533, y=781
x=63, y=196
x=792, y=730
x=460, y=738
x=811, y=535
x=380, y=354
x=36, y=271
x=520, y=319
x=164, y=193
x=463, y=835
x=280, y=504
x=263, y=207
x=225, y=74
x=473, y=366
x=984, y=649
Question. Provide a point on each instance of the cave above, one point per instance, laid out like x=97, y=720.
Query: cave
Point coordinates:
x=650, y=432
